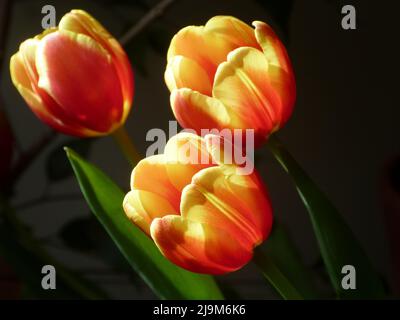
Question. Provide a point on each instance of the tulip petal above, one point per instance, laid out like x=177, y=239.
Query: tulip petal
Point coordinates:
x=198, y=247
x=230, y=149
x=243, y=85
x=142, y=207
x=150, y=174
x=197, y=111
x=209, y=45
x=233, y=30
x=23, y=75
x=79, y=21
x=204, y=48
x=273, y=48
x=212, y=198
x=281, y=72
x=186, y=154
x=183, y=72
x=67, y=64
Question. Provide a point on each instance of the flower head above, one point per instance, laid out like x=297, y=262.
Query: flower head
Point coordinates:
x=228, y=75
x=201, y=213
x=76, y=78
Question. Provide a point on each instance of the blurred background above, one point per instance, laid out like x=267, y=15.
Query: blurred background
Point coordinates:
x=344, y=132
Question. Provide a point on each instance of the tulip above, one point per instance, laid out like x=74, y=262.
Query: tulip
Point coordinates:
x=76, y=78
x=227, y=75
x=204, y=216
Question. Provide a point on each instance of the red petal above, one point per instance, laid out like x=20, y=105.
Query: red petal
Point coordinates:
x=79, y=75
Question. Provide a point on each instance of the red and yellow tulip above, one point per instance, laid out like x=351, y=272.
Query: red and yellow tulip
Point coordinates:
x=227, y=75
x=76, y=78
x=203, y=215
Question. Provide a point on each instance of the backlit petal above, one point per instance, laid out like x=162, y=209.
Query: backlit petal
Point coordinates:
x=196, y=111
x=233, y=31
x=281, y=73
x=242, y=84
x=186, y=154
x=209, y=45
x=198, y=247
x=273, y=48
x=197, y=44
x=79, y=21
x=183, y=72
x=23, y=75
x=237, y=203
x=73, y=69
x=150, y=174
x=232, y=148
x=142, y=207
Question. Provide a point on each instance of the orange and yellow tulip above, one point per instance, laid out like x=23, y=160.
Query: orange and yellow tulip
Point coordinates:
x=76, y=78
x=203, y=216
x=227, y=75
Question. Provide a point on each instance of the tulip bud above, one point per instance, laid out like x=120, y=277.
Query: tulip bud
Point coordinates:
x=76, y=78
x=204, y=215
x=227, y=75
x=6, y=149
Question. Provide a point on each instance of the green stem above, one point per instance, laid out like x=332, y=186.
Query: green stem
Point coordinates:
x=126, y=145
x=274, y=276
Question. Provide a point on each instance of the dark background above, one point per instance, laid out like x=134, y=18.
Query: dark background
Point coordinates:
x=344, y=130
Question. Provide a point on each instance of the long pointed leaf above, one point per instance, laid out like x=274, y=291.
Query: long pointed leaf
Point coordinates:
x=281, y=249
x=166, y=279
x=337, y=243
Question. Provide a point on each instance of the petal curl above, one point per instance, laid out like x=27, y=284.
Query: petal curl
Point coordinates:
x=281, y=73
x=242, y=83
x=209, y=45
x=196, y=111
x=233, y=30
x=272, y=47
x=150, y=174
x=213, y=198
x=185, y=154
x=142, y=207
x=198, y=247
x=182, y=72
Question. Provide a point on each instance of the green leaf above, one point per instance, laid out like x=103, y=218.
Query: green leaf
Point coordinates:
x=337, y=243
x=274, y=275
x=166, y=279
x=283, y=251
x=57, y=166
